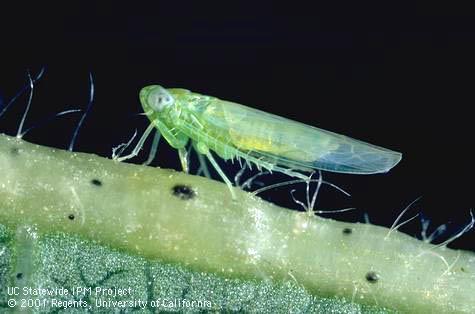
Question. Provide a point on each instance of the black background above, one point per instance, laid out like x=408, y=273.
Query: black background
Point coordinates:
x=399, y=76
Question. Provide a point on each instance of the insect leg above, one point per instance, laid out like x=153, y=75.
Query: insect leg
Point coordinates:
x=203, y=149
x=177, y=140
x=153, y=150
x=119, y=149
x=290, y=172
x=139, y=145
x=202, y=161
x=183, y=154
x=222, y=175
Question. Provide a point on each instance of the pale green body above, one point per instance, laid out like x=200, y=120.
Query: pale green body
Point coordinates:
x=235, y=131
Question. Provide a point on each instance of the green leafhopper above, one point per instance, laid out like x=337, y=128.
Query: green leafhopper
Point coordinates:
x=235, y=131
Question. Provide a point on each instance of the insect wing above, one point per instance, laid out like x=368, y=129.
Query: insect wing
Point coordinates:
x=296, y=145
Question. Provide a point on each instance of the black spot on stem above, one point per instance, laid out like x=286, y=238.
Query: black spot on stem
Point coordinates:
x=347, y=231
x=372, y=276
x=19, y=276
x=96, y=182
x=183, y=192
x=71, y=217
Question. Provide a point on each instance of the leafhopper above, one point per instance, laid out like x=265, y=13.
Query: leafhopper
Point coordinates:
x=271, y=142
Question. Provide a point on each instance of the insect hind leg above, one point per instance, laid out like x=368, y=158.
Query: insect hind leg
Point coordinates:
x=290, y=173
x=184, y=159
x=202, y=148
x=221, y=174
x=203, y=166
x=262, y=164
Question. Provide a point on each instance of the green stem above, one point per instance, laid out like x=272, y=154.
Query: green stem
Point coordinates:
x=193, y=221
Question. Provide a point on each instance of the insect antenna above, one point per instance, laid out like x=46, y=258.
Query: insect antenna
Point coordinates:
x=83, y=117
x=23, y=90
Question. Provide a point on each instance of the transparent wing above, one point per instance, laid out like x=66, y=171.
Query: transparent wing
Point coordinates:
x=293, y=144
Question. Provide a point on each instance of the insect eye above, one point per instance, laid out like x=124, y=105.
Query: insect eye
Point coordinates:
x=159, y=100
